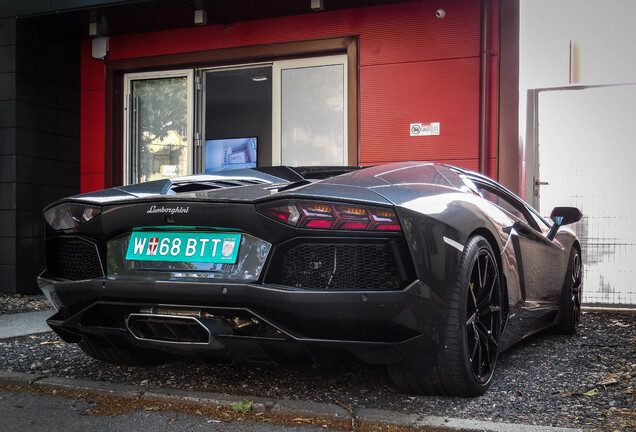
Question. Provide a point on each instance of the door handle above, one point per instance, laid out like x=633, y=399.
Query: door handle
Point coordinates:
x=537, y=184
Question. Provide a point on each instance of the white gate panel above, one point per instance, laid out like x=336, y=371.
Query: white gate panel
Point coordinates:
x=587, y=154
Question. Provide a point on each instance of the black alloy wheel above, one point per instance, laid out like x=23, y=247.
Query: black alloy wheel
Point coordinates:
x=483, y=316
x=467, y=357
x=571, y=296
x=576, y=291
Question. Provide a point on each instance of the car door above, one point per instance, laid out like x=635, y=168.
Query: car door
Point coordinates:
x=539, y=260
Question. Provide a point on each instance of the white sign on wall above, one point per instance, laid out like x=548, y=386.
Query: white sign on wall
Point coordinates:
x=421, y=129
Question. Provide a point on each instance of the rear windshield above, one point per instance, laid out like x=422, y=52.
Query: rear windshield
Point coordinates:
x=426, y=174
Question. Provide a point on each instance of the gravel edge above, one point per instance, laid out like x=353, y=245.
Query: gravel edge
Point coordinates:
x=289, y=409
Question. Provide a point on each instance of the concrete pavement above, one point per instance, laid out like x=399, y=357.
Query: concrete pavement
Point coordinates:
x=24, y=324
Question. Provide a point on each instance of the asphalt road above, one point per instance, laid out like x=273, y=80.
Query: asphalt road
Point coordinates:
x=39, y=412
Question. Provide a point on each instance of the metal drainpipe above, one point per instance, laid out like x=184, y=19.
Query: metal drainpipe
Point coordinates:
x=484, y=85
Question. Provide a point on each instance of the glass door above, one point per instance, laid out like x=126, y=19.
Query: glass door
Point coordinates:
x=237, y=106
x=158, y=125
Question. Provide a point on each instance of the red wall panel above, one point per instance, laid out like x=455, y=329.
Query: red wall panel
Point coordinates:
x=92, y=137
x=92, y=132
x=414, y=67
x=91, y=182
x=444, y=91
x=400, y=32
x=92, y=70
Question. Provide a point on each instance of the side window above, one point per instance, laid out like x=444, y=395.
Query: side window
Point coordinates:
x=503, y=202
x=543, y=226
x=469, y=185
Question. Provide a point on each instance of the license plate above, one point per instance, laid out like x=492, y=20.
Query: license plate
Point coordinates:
x=183, y=247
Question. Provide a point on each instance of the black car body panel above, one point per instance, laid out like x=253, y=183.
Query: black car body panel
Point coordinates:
x=381, y=295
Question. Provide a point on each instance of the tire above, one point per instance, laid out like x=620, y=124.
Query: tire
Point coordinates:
x=571, y=294
x=468, y=356
x=412, y=381
x=101, y=349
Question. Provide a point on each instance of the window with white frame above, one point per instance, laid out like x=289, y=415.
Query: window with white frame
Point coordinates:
x=290, y=112
x=311, y=99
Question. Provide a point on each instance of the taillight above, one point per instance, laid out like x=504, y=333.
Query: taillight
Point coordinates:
x=70, y=215
x=323, y=215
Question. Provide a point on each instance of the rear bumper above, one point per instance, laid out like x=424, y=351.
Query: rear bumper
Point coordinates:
x=375, y=326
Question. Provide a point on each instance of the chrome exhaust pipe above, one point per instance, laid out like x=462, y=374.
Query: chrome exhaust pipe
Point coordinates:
x=176, y=328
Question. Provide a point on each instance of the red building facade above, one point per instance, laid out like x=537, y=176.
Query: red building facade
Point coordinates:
x=407, y=65
x=63, y=112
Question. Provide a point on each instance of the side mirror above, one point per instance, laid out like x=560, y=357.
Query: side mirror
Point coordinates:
x=563, y=216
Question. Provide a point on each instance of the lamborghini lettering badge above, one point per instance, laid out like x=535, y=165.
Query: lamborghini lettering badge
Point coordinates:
x=168, y=210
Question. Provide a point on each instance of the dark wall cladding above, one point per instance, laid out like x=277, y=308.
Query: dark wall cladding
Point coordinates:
x=7, y=31
x=7, y=86
x=39, y=136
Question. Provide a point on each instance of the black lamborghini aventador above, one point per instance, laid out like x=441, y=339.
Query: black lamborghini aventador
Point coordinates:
x=430, y=269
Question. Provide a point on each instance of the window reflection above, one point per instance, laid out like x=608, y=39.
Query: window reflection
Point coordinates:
x=160, y=125
x=313, y=115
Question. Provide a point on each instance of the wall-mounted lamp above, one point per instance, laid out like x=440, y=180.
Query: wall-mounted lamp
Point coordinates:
x=98, y=31
x=440, y=13
x=100, y=47
x=317, y=5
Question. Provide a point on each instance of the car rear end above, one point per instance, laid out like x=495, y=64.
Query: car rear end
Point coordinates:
x=270, y=275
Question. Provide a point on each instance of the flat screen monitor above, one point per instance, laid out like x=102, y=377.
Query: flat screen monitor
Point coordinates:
x=232, y=153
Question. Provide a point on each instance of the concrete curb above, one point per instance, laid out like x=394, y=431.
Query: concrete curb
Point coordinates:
x=281, y=407
x=259, y=405
x=443, y=424
x=18, y=378
x=297, y=408
x=100, y=388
